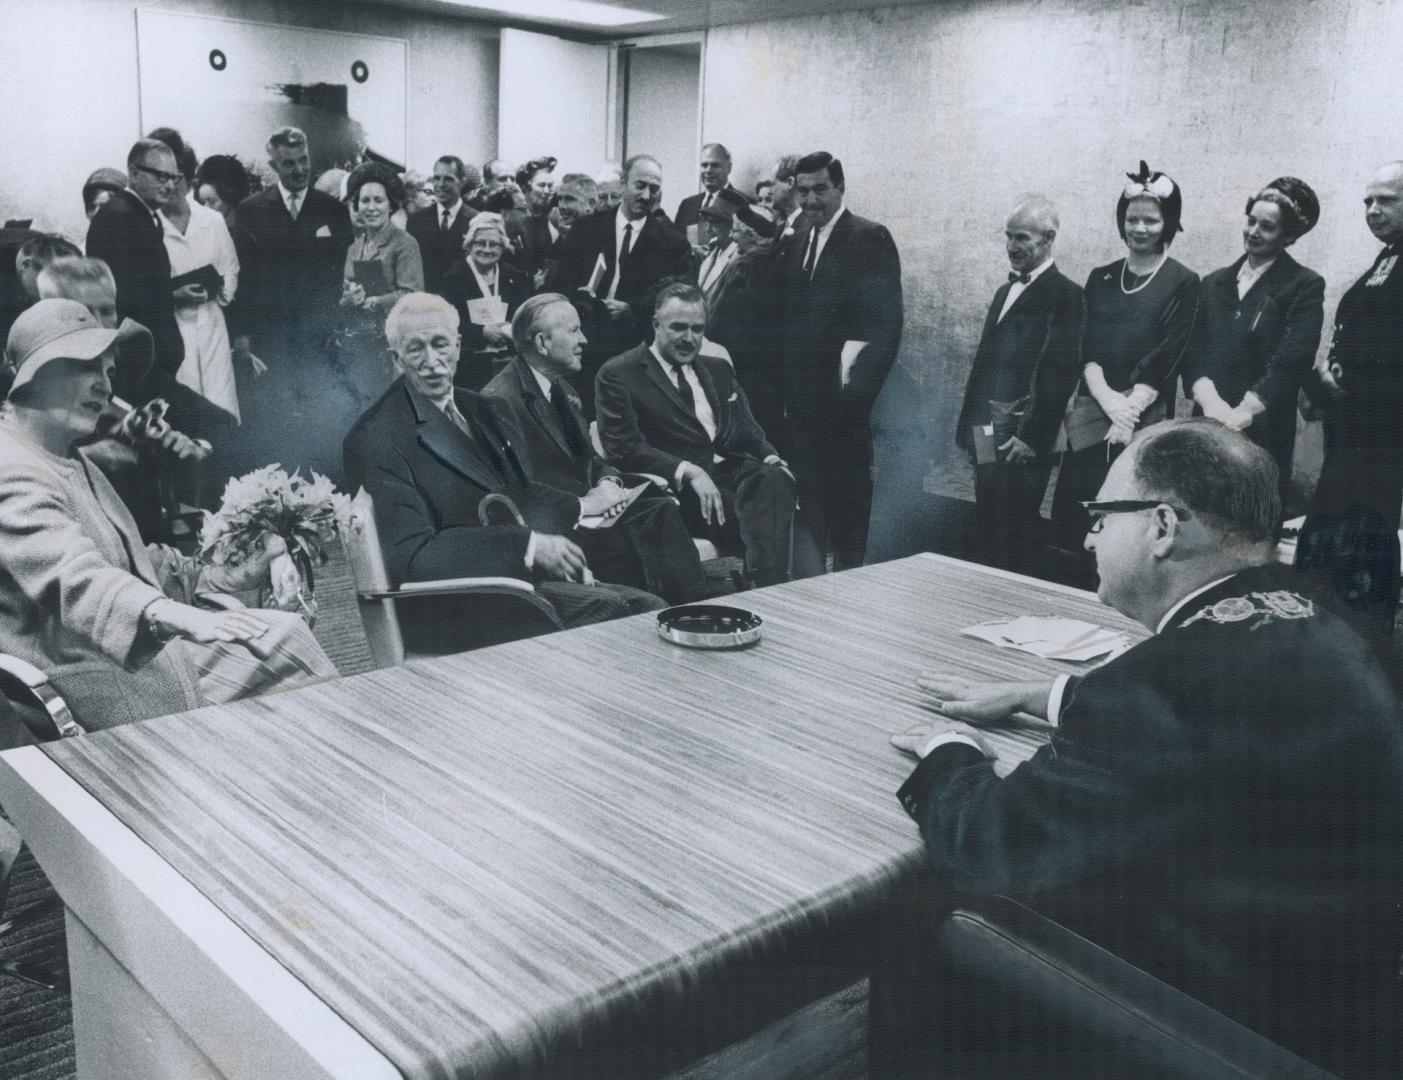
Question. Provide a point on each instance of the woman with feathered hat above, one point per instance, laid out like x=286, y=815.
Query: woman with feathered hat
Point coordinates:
x=1138, y=326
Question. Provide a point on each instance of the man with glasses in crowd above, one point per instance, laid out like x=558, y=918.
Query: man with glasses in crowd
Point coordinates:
x=127, y=234
x=1221, y=805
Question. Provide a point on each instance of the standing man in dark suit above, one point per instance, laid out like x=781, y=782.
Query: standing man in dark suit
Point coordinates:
x=715, y=178
x=649, y=546
x=299, y=237
x=624, y=254
x=439, y=229
x=667, y=411
x=429, y=454
x=127, y=234
x=841, y=275
x=1024, y=371
x=1359, y=386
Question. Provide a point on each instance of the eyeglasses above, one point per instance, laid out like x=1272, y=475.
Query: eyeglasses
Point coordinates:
x=159, y=175
x=1099, y=510
x=496, y=245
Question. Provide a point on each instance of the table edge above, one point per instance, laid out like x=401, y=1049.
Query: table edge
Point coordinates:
x=173, y=935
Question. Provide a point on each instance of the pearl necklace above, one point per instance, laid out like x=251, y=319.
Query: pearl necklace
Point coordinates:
x=1132, y=291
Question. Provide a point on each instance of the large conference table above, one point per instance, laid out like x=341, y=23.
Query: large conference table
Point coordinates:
x=588, y=854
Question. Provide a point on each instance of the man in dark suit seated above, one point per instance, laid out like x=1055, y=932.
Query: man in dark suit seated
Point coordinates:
x=1222, y=805
x=429, y=455
x=667, y=411
x=1024, y=370
x=611, y=265
x=439, y=229
x=648, y=546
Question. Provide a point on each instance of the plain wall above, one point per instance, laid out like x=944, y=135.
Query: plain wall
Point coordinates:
x=943, y=114
x=68, y=85
x=661, y=117
x=569, y=121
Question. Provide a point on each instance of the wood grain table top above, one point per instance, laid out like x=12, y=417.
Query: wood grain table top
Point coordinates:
x=476, y=858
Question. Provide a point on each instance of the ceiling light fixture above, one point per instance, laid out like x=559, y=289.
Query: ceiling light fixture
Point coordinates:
x=574, y=11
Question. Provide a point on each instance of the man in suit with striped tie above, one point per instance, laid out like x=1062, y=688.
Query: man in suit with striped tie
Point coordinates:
x=668, y=411
x=1024, y=371
x=611, y=266
x=649, y=546
x=430, y=454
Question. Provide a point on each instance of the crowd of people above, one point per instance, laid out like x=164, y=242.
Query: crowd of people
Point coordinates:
x=559, y=382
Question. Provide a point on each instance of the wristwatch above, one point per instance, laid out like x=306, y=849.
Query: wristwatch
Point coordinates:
x=154, y=626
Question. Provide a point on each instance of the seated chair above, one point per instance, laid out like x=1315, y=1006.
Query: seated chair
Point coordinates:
x=503, y=608
x=1021, y=996
x=28, y=704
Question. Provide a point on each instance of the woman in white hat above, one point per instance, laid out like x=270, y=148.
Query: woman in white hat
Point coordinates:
x=110, y=620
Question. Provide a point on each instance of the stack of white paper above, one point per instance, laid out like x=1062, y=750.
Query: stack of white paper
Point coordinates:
x=1051, y=637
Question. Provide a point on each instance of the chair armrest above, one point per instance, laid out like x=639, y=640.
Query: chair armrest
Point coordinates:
x=483, y=586
x=1049, y=994
x=464, y=586
x=23, y=678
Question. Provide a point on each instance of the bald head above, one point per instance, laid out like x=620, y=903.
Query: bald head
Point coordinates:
x=1383, y=203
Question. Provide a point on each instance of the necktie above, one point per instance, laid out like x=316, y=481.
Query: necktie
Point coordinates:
x=292, y=208
x=459, y=420
x=706, y=200
x=445, y=219
x=628, y=238
x=811, y=256
x=1015, y=276
x=685, y=388
x=568, y=424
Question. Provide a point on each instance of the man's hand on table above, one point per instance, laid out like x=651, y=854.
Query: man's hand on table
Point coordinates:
x=985, y=703
x=923, y=738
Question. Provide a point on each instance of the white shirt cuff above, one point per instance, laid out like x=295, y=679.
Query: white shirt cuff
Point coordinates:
x=1054, y=700
x=531, y=552
x=946, y=737
x=677, y=476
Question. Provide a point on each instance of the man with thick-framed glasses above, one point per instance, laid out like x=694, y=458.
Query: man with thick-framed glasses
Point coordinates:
x=127, y=234
x=1222, y=804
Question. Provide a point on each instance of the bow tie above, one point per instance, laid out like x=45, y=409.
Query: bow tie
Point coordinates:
x=1015, y=276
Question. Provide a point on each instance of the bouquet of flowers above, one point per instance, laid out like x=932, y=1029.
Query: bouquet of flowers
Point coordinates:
x=305, y=513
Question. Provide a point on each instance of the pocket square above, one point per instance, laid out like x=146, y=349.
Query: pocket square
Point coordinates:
x=733, y=397
x=324, y=233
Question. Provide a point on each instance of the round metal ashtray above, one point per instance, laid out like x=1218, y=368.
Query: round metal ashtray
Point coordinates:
x=709, y=626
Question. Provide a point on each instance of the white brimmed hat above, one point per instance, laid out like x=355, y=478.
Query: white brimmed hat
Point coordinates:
x=65, y=329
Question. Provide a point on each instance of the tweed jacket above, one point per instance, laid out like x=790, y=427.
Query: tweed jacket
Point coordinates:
x=74, y=580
